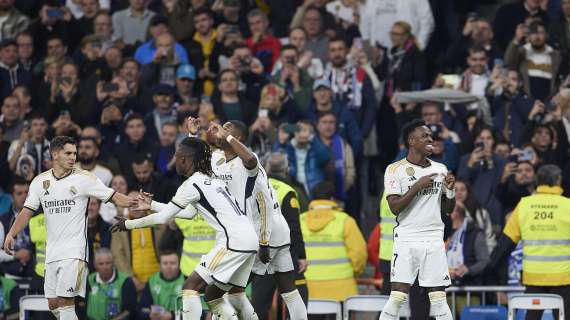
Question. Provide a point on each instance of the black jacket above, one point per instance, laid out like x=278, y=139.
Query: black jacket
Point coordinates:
x=248, y=108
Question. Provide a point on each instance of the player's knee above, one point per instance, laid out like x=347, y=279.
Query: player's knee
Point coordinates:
x=236, y=290
x=401, y=287
x=53, y=303
x=285, y=281
x=194, y=282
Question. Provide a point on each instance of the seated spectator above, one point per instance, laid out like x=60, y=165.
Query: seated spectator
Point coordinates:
x=165, y=159
x=10, y=119
x=249, y=70
x=26, y=53
x=296, y=81
x=482, y=170
x=131, y=25
x=31, y=144
x=229, y=103
x=152, y=50
x=467, y=254
x=262, y=43
x=163, y=288
x=164, y=110
x=162, y=68
x=15, y=21
x=309, y=160
x=306, y=61
x=185, y=84
x=343, y=158
x=347, y=126
x=326, y=223
x=98, y=234
x=517, y=181
x=511, y=16
x=12, y=73
x=204, y=50
x=537, y=62
x=88, y=155
x=146, y=179
x=136, y=251
x=110, y=293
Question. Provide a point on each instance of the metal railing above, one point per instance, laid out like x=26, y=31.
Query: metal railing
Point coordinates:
x=483, y=290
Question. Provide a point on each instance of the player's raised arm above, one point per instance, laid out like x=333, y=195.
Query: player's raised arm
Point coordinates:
x=226, y=133
x=448, y=198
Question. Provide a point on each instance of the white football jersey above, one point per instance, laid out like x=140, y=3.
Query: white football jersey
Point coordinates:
x=422, y=218
x=64, y=202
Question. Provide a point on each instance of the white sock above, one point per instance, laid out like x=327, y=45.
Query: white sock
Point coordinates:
x=241, y=303
x=67, y=313
x=439, y=308
x=295, y=305
x=392, y=307
x=191, y=305
x=222, y=309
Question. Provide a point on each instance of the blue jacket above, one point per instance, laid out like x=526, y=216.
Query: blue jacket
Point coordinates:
x=347, y=127
x=450, y=155
x=145, y=53
x=318, y=157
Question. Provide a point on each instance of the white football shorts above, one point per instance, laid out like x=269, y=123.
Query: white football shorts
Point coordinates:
x=281, y=261
x=425, y=260
x=65, y=278
x=226, y=268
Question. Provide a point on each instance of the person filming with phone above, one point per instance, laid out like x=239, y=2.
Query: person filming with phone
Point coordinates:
x=517, y=180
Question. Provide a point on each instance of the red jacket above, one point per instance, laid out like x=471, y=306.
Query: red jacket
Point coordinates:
x=267, y=50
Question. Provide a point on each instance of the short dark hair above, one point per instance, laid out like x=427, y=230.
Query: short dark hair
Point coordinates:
x=16, y=181
x=477, y=48
x=37, y=116
x=167, y=252
x=338, y=39
x=203, y=10
x=241, y=127
x=289, y=47
x=324, y=114
x=549, y=174
x=409, y=128
x=323, y=190
x=200, y=152
x=239, y=45
x=55, y=36
x=127, y=60
x=133, y=116
x=92, y=139
x=56, y=144
x=141, y=159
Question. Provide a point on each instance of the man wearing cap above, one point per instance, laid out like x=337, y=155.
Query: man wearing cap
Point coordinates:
x=131, y=25
x=12, y=73
x=537, y=62
x=150, y=51
x=164, y=110
x=185, y=79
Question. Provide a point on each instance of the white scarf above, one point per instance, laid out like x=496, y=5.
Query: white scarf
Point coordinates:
x=455, y=250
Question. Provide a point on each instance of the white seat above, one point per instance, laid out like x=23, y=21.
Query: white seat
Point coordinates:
x=317, y=306
x=32, y=303
x=536, y=302
x=369, y=303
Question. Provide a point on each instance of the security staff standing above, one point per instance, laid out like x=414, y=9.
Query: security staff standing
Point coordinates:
x=542, y=222
x=37, y=227
x=287, y=198
x=199, y=239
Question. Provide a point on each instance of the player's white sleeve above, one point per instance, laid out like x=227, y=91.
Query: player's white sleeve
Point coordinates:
x=156, y=206
x=392, y=184
x=188, y=213
x=33, y=201
x=156, y=218
x=95, y=188
x=265, y=209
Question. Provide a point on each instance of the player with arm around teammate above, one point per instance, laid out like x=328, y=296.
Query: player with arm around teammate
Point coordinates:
x=63, y=192
x=418, y=191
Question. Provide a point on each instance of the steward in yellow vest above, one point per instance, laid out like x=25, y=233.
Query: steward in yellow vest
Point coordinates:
x=38, y=232
x=336, y=249
x=386, y=244
x=199, y=239
x=542, y=222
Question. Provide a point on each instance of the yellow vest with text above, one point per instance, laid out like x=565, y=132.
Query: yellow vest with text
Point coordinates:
x=38, y=237
x=387, y=222
x=282, y=189
x=326, y=252
x=544, y=220
x=199, y=239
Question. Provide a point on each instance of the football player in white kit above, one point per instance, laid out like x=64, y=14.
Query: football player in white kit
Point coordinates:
x=63, y=192
x=418, y=192
x=243, y=173
x=229, y=263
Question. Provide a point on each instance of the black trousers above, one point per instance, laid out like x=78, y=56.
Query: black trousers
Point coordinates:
x=263, y=288
x=563, y=291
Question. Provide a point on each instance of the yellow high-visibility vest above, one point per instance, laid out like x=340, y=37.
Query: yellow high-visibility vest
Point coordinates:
x=544, y=220
x=326, y=252
x=282, y=189
x=199, y=239
x=387, y=222
x=38, y=235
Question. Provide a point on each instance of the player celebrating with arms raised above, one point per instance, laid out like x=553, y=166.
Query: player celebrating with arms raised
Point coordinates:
x=415, y=192
x=63, y=192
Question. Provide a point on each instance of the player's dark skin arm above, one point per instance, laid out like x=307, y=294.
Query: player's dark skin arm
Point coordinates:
x=399, y=203
x=247, y=157
x=447, y=205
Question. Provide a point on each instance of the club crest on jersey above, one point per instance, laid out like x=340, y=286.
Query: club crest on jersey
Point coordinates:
x=46, y=187
x=73, y=190
x=410, y=171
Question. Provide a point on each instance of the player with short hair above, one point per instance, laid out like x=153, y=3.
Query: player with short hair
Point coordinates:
x=63, y=192
x=229, y=263
x=418, y=191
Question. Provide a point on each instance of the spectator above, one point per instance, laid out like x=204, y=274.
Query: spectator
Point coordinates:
x=146, y=179
x=204, y=50
x=262, y=43
x=277, y=167
x=53, y=22
x=4, y=167
x=31, y=144
x=347, y=127
x=467, y=254
x=510, y=106
x=109, y=291
x=543, y=145
x=83, y=25
x=10, y=118
x=517, y=181
x=79, y=8
x=511, y=16
x=230, y=17
x=280, y=106
x=309, y=160
x=98, y=234
x=326, y=223
x=313, y=24
x=482, y=170
x=12, y=294
x=158, y=300
x=56, y=49
x=344, y=160
x=351, y=86
x=296, y=81
x=474, y=211
x=12, y=73
x=156, y=50
x=558, y=34
x=108, y=210
x=130, y=25
x=14, y=21
x=185, y=84
x=164, y=110
x=537, y=62
x=165, y=159
x=475, y=80
x=139, y=100
x=103, y=30
x=375, y=22
x=25, y=98
x=249, y=70
x=87, y=154
x=347, y=16
x=306, y=61
x=136, y=251
x=179, y=15
x=229, y=103
x=162, y=69
x=26, y=53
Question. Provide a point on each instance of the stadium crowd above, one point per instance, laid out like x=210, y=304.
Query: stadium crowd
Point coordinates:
x=321, y=86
